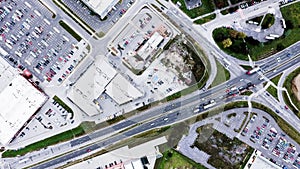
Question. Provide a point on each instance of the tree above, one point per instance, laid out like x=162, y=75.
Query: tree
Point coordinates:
x=241, y=35
x=227, y=43
x=279, y=47
x=233, y=33
x=289, y=24
x=252, y=41
x=220, y=34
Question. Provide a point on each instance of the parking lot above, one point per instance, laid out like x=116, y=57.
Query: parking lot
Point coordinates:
x=274, y=143
x=92, y=19
x=141, y=38
x=52, y=119
x=33, y=39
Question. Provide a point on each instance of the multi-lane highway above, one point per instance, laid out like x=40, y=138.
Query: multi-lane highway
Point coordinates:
x=182, y=108
x=177, y=111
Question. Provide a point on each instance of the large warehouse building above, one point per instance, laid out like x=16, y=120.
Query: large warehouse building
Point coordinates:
x=19, y=101
x=101, y=7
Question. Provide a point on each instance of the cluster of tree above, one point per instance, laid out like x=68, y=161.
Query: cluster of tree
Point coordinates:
x=289, y=24
x=221, y=3
x=232, y=39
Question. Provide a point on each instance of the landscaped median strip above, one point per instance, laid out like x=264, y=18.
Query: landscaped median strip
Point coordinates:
x=86, y=27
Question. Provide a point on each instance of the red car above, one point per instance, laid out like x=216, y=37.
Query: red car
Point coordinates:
x=286, y=107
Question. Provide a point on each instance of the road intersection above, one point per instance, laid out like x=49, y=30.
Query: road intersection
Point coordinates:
x=157, y=116
x=159, y=119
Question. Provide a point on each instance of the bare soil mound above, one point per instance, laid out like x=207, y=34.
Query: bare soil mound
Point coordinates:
x=296, y=86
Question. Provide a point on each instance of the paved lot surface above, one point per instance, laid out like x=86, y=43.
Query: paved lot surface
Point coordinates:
x=261, y=132
x=94, y=21
x=255, y=30
x=34, y=40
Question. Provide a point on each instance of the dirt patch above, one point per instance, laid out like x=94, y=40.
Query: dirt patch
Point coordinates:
x=296, y=87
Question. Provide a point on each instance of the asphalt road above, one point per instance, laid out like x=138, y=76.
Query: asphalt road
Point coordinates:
x=165, y=119
x=213, y=93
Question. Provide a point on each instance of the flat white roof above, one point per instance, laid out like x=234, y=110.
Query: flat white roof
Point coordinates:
x=262, y=162
x=7, y=74
x=137, y=164
x=91, y=85
x=102, y=7
x=121, y=91
x=150, y=45
x=3, y=52
x=128, y=166
x=19, y=101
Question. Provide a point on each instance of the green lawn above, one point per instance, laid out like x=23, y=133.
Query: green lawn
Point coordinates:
x=272, y=90
x=206, y=7
x=222, y=75
x=172, y=159
x=225, y=12
x=64, y=136
x=205, y=19
x=70, y=30
x=229, y=10
x=292, y=13
x=268, y=21
x=247, y=93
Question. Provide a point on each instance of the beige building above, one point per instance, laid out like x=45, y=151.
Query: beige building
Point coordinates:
x=90, y=86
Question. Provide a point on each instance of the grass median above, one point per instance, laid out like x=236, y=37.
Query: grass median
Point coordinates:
x=222, y=75
x=64, y=105
x=272, y=90
x=205, y=19
x=83, y=25
x=70, y=30
x=64, y=136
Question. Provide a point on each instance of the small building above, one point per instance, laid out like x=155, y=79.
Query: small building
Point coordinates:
x=151, y=45
x=191, y=4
